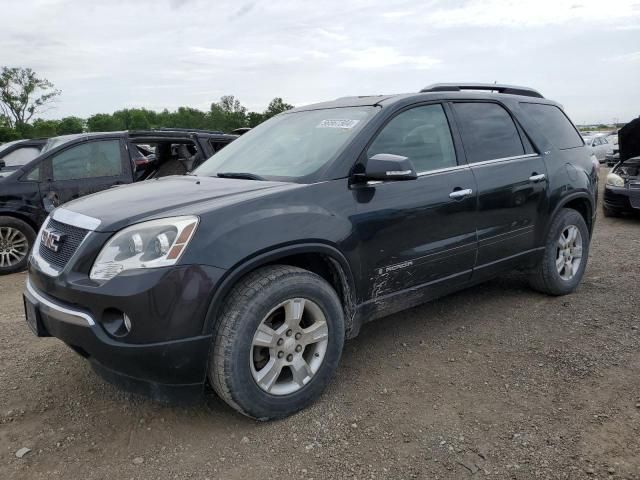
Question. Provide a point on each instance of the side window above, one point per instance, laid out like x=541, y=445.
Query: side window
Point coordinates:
x=422, y=134
x=91, y=159
x=554, y=125
x=34, y=175
x=217, y=145
x=488, y=132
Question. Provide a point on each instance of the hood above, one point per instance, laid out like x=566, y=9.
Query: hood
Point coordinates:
x=629, y=140
x=168, y=196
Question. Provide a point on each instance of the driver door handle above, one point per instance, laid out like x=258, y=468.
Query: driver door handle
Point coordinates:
x=537, y=177
x=461, y=193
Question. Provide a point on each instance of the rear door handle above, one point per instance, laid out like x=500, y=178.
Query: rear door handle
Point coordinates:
x=460, y=194
x=537, y=177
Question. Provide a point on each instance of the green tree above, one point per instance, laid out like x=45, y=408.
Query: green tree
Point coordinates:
x=276, y=106
x=69, y=125
x=23, y=94
x=104, y=122
x=43, y=128
x=228, y=114
x=138, y=120
x=254, y=119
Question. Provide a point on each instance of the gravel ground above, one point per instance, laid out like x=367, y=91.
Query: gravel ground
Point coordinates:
x=496, y=381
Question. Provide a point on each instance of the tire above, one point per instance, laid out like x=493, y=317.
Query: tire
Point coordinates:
x=609, y=212
x=16, y=241
x=262, y=299
x=547, y=277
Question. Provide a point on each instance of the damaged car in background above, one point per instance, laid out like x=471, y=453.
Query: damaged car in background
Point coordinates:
x=71, y=166
x=622, y=189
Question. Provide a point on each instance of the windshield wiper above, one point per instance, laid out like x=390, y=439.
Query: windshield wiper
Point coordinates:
x=241, y=175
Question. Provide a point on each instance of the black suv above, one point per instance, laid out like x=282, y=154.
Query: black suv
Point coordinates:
x=251, y=272
x=71, y=166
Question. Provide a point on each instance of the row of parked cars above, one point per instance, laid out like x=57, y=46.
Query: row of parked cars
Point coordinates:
x=38, y=175
x=249, y=273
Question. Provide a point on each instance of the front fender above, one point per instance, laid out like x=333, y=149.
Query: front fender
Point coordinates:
x=271, y=256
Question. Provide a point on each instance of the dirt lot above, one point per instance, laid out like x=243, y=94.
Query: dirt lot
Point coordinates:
x=496, y=381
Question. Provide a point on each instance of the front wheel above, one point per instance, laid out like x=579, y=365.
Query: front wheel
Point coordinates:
x=16, y=239
x=565, y=255
x=277, y=342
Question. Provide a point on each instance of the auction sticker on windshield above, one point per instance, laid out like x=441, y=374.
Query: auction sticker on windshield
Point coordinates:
x=338, y=123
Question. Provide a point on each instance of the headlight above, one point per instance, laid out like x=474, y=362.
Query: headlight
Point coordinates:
x=158, y=243
x=615, y=180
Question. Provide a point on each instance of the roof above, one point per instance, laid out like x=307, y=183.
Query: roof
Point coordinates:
x=440, y=91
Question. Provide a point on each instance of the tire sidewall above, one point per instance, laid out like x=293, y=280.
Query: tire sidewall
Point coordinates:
x=566, y=219
x=246, y=391
x=30, y=235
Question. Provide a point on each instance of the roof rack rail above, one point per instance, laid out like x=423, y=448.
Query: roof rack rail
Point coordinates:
x=176, y=129
x=494, y=87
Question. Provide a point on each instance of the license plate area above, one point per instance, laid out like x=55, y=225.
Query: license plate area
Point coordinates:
x=32, y=316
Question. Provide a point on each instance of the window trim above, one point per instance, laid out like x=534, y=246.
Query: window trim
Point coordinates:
x=362, y=158
x=519, y=129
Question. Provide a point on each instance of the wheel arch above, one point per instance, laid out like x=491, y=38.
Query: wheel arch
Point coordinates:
x=322, y=259
x=580, y=202
x=25, y=218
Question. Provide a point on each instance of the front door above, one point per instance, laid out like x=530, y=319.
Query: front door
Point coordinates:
x=84, y=168
x=417, y=235
x=512, y=184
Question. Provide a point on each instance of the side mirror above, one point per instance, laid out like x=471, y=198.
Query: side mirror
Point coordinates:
x=386, y=166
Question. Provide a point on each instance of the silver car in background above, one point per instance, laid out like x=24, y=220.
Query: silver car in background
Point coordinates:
x=599, y=146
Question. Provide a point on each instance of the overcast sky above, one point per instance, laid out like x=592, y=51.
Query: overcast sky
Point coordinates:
x=107, y=55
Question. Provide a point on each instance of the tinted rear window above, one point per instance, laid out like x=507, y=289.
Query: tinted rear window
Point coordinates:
x=554, y=125
x=488, y=132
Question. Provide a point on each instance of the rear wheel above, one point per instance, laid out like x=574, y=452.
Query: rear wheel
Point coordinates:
x=565, y=256
x=16, y=239
x=277, y=343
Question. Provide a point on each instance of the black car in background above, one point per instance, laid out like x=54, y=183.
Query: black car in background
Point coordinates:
x=17, y=153
x=622, y=188
x=71, y=166
x=250, y=273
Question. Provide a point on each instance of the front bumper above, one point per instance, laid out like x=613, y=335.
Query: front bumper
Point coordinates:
x=164, y=355
x=622, y=199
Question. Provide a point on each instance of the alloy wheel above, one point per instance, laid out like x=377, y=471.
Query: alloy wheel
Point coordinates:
x=569, y=252
x=14, y=246
x=289, y=346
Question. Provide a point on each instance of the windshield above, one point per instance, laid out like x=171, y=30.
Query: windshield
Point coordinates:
x=54, y=142
x=289, y=146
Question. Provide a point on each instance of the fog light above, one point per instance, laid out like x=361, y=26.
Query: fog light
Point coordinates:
x=116, y=322
x=127, y=322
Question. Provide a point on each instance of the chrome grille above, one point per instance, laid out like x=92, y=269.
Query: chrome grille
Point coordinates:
x=73, y=237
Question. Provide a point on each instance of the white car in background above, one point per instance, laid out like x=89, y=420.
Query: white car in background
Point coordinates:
x=599, y=146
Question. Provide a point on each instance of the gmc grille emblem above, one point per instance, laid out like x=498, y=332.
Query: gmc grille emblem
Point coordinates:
x=52, y=240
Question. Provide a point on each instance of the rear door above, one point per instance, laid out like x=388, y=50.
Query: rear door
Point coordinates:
x=511, y=179
x=83, y=168
x=418, y=234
